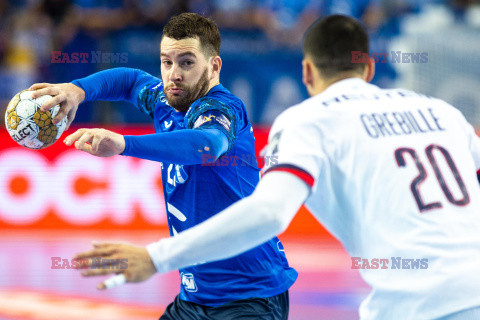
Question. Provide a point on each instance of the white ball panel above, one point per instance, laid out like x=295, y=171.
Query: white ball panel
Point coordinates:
x=26, y=95
x=33, y=144
x=41, y=100
x=26, y=109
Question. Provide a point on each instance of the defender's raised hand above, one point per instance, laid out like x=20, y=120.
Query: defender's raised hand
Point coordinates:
x=67, y=95
x=98, y=142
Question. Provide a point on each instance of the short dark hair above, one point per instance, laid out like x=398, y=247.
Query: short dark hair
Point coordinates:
x=330, y=41
x=192, y=25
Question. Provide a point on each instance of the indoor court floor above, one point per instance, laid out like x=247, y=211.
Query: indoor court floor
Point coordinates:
x=327, y=288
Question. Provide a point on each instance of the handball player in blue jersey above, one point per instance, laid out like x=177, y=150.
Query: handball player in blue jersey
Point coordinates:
x=196, y=121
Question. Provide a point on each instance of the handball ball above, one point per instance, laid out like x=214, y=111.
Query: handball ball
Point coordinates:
x=29, y=126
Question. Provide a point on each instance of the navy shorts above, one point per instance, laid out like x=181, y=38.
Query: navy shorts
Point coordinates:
x=273, y=308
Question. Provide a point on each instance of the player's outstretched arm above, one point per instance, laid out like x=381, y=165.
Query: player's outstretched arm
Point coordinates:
x=117, y=84
x=186, y=147
x=110, y=85
x=241, y=227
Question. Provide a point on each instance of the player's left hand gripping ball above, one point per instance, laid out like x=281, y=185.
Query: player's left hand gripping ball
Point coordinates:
x=28, y=125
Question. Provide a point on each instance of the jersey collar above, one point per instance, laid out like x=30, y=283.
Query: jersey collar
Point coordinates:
x=349, y=83
x=218, y=87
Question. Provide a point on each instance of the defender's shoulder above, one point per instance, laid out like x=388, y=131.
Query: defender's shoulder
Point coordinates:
x=303, y=112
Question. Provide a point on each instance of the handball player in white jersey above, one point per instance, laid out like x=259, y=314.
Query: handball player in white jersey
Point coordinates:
x=391, y=173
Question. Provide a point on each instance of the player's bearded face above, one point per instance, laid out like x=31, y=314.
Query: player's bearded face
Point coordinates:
x=185, y=71
x=187, y=94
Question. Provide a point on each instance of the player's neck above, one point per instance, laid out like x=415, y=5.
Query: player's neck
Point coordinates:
x=322, y=84
x=213, y=83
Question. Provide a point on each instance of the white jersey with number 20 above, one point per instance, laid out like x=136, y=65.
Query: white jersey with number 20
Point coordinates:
x=394, y=177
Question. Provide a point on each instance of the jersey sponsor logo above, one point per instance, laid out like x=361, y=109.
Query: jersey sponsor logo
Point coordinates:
x=176, y=213
x=224, y=122
x=358, y=97
x=159, y=85
x=271, y=149
x=176, y=174
x=275, y=142
x=213, y=116
x=157, y=90
x=208, y=118
x=280, y=246
x=202, y=120
x=188, y=282
x=168, y=124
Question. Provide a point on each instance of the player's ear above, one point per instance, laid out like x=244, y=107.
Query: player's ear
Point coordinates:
x=216, y=66
x=307, y=73
x=369, y=70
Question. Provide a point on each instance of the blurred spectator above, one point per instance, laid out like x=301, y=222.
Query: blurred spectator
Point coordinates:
x=31, y=37
x=5, y=27
x=467, y=10
x=285, y=21
x=235, y=14
x=370, y=12
x=150, y=12
x=103, y=15
x=203, y=7
x=264, y=35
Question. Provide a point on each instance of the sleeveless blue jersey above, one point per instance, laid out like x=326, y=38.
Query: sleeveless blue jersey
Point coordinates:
x=194, y=193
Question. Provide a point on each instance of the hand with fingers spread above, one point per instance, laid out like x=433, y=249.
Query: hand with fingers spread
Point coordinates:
x=98, y=142
x=105, y=258
x=67, y=95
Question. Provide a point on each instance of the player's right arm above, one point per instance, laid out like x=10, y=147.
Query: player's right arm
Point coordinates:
x=473, y=142
x=244, y=225
x=126, y=84
x=475, y=148
x=294, y=162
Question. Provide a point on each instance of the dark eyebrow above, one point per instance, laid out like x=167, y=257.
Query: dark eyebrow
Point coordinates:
x=188, y=53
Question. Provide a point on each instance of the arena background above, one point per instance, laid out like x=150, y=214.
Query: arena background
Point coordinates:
x=53, y=202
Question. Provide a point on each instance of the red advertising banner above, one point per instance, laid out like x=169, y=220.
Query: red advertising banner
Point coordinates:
x=61, y=187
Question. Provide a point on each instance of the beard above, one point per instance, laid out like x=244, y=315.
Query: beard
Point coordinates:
x=190, y=94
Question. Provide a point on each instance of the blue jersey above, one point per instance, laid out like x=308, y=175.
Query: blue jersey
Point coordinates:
x=194, y=193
